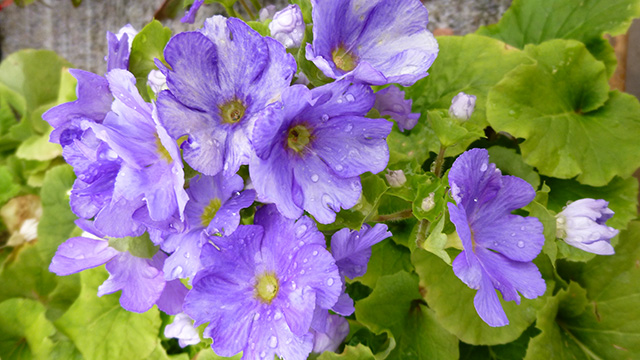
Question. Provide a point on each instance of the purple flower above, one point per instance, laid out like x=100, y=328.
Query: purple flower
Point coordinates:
x=149, y=184
x=335, y=331
x=214, y=207
x=375, y=42
x=120, y=47
x=312, y=147
x=390, y=102
x=182, y=329
x=190, y=15
x=261, y=285
x=582, y=224
x=352, y=249
x=462, y=106
x=218, y=79
x=288, y=26
x=141, y=280
x=498, y=246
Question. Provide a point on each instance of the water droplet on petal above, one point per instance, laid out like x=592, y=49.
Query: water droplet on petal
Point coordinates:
x=176, y=271
x=273, y=342
x=277, y=316
x=349, y=97
x=187, y=255
x=315, y=177
x=475, y=199
x=520, y=244
x=315, y=252
x=348, y=128
x=339, y=167
x=263, y=354
x=256, y=316
x=325, y=117
x=513, y=234
x=483, y=168
x=330, y=281
x=301, y=229
x=522, y=228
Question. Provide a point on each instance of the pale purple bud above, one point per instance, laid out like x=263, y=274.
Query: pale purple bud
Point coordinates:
x=157, y=81
x=288, y=26
x=182, y=329
x=396, y=178
x=267, y=12
x=582, y=224
x=131, y=33
x=462, y=106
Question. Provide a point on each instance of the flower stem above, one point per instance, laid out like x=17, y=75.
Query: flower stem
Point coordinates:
x=248, y=9
x=256, y=4
x=439, y=161
x=232, y=12
x=397, y=216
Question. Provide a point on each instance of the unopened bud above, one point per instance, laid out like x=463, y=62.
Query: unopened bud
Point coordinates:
x=462, y=106
x=429, y=202
x=395, y=178
x=288, y=26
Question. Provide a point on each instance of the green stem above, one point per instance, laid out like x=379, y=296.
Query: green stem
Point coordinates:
x=231, y=12
x=257, y=5
x=397, y=216
x=248, y=9
x=421, y=235
x=439, y=162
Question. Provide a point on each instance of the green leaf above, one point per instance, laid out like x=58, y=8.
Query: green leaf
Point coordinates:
x=147, y=45
x=472, y=64
x=396, y=306
x=26, y=71
x=571, y=124
x=25, y=274
x=437, y=241
x=510, y=163
x=452, y=302
x=529, y=22
x=412, y=145
x=510, y=351
x=39, y=148
x=452, y=131
x=8, y=188
x=386, y=258
x=261, y=28
x=24, y=330
x=358, y=352
x=622, y=196
x=548, y=220
x=140, y=246
x=429, y=201
x=102, y=329
x=609, y=325
x=57, y=222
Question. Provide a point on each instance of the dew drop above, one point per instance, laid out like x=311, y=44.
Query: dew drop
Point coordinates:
x=263, y=354
x=302, y=272
x=315, y=178
x=330, y=281
x=513, y=234
x=339, y=167
x=176, y=271
x=273, y=342
x=325, y=117
x=522, y=228
x=315, y=252
x=483, y=168
x=520, y=244
x=301, y=229
x=187, y=255
x=348, y=128
x=293, y=285
x=475, y=199
x=277, y=316
x=256, y=316
x=349, y=97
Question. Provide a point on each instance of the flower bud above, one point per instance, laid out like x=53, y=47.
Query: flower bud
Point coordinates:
x=182, y=329
x=429, y=202
x=131, y=33
x=582, y=225
x=390, y=101
x=157, y=81
x=462, y=106
x=288, y=26
x=395, y=178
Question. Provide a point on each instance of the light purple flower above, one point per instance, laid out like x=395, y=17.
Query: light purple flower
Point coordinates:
x=582, y=224
x=119, y=47
x=141, y=280
x=390, y=102
x=157, y=81
x=375, y=42
x=149, y=184
x=288, y=26
x=261, y=285
x=335, y=331
x=462, y=106
x=182, y=329
x=312, y=147
x=352, y=249
x=190, y=15
x=218, y=79
x=498, y=246
x=213, y=208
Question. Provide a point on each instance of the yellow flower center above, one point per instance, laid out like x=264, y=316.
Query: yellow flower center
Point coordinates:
x=210, y=211
x=299, y=137
x=267, y=287
x=232, y=111
x=344, y=60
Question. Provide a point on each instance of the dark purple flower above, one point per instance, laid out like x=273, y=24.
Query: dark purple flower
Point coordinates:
x=219, y=78
x=213, y=208
x=312, y=147
x=375, y=42
x=260, y=286
x=141, y=280
x=582, y=224
x=390, y=102
x=498, y=246
x=190, y=15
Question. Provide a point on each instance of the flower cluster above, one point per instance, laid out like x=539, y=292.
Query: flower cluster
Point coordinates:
x=225, y=99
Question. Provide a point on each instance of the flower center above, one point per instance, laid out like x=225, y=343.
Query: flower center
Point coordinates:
x=232, y=111
x=210, y=211
x=267, y=287
x=344, y=60
x=162, y=151
x=299, y=137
